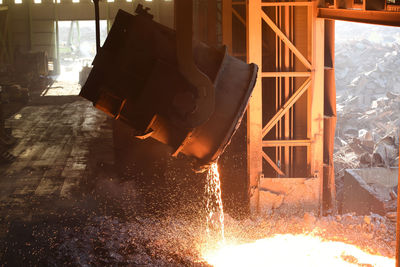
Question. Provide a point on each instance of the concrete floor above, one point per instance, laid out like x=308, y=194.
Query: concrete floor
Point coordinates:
x=62, y=144
x=62, y=202
x=64, y=181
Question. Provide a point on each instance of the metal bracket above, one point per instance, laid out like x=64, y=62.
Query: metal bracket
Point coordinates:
x=143, y=11
x=256, y=187
x=260, y=177
x=205, y=99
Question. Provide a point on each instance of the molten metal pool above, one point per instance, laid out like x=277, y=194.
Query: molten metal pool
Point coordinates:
x=287, y=250
x=294, y=250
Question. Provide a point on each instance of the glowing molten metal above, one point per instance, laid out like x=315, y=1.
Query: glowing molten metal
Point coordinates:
x=214, y=202
x=286, y=250
x=294, y=250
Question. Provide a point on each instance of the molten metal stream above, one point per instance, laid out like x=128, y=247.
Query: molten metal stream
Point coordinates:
x=215, y=209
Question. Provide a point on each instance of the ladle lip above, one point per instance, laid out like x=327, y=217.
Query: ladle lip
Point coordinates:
x=201, y=165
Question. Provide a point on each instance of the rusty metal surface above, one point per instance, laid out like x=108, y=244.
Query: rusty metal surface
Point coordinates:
x=234, y=85
x=136, y=79
x=389, y=18
x=329, y=197
x=291, y=111
x=254, y=111
x=205, y=98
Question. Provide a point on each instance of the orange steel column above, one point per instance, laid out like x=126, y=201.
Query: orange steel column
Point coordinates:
x=287, y=134
x=309, y=57
x=317, y=101
x=254, y=110
x=329, y=118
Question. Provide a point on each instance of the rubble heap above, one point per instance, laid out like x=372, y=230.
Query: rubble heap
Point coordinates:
x=368, y=99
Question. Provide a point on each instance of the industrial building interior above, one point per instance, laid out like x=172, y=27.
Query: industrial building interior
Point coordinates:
x=199, y=133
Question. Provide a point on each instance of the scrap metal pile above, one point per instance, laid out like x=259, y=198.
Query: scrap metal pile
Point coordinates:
x=368, y=98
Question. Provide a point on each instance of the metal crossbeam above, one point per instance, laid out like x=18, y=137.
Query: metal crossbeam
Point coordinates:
x=292, y=100
x=238, y=3
x=272, y=163
x=283, y=37
x=285, y=74
x=389, y=18
x=274, y=143
x=238, y=16
x=287, y=4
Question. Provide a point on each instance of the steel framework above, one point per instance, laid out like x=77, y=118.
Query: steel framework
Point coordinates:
x=292, y=113
x=290, y=51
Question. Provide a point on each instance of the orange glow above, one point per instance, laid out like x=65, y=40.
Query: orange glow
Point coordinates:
x=215, y=209
x=294, y=250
